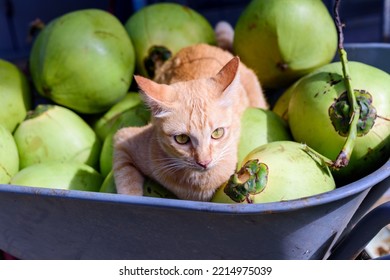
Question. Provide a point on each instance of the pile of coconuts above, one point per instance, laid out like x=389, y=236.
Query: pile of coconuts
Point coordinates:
x=57, y=121
x=58, y=115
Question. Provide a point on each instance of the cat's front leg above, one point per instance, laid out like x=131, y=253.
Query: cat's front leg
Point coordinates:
x=128, y=179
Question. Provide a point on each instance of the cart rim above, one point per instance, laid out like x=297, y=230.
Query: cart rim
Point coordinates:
x=339, y=193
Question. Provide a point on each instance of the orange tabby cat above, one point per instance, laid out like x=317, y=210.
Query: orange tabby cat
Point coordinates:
x=190, y=147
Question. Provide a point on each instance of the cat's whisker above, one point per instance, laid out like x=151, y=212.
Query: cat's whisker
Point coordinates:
x=166, y=166
x=174, y=160
x=226, y=151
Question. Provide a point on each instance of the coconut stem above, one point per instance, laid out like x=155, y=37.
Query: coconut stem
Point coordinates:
x=314, y=154
x=36, y=26
x=251, y=179
x=343, y=157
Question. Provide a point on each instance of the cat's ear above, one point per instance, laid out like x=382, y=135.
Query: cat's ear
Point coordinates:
x=157, y=96
x=228, y=78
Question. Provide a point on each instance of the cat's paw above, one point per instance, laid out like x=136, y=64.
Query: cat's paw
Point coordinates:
x=129, y=190
x=224, y=34
x=128, y=180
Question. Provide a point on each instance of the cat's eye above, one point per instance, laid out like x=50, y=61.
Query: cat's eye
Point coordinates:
x=182, y=139
x=218, y=133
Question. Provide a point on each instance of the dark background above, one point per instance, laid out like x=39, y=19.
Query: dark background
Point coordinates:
x=365, y=19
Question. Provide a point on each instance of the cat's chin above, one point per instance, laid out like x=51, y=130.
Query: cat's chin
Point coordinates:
x=201, y=169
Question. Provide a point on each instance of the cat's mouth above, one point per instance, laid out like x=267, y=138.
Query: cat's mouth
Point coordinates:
x=202, y=166
x=201, y=169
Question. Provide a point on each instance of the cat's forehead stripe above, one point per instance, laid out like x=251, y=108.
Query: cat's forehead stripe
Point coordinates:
x=197, y=109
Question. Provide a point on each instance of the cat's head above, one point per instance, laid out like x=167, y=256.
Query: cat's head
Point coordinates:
x=196, y=121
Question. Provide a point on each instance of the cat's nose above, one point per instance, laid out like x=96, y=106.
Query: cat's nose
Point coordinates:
x=203, y=163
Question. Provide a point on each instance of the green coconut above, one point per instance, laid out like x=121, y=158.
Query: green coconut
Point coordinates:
x=258, y=127
x=318, y=115
x=9, y=157
x=277, y=171
x=14, y=95
x=282, y=40
x=281, y=105
x=108, y=185
x=59, y=175
x=55, y=133
x=107, y=155
x=130, y=111
x=135, y=117
x=83, y=60
x=160, y=30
